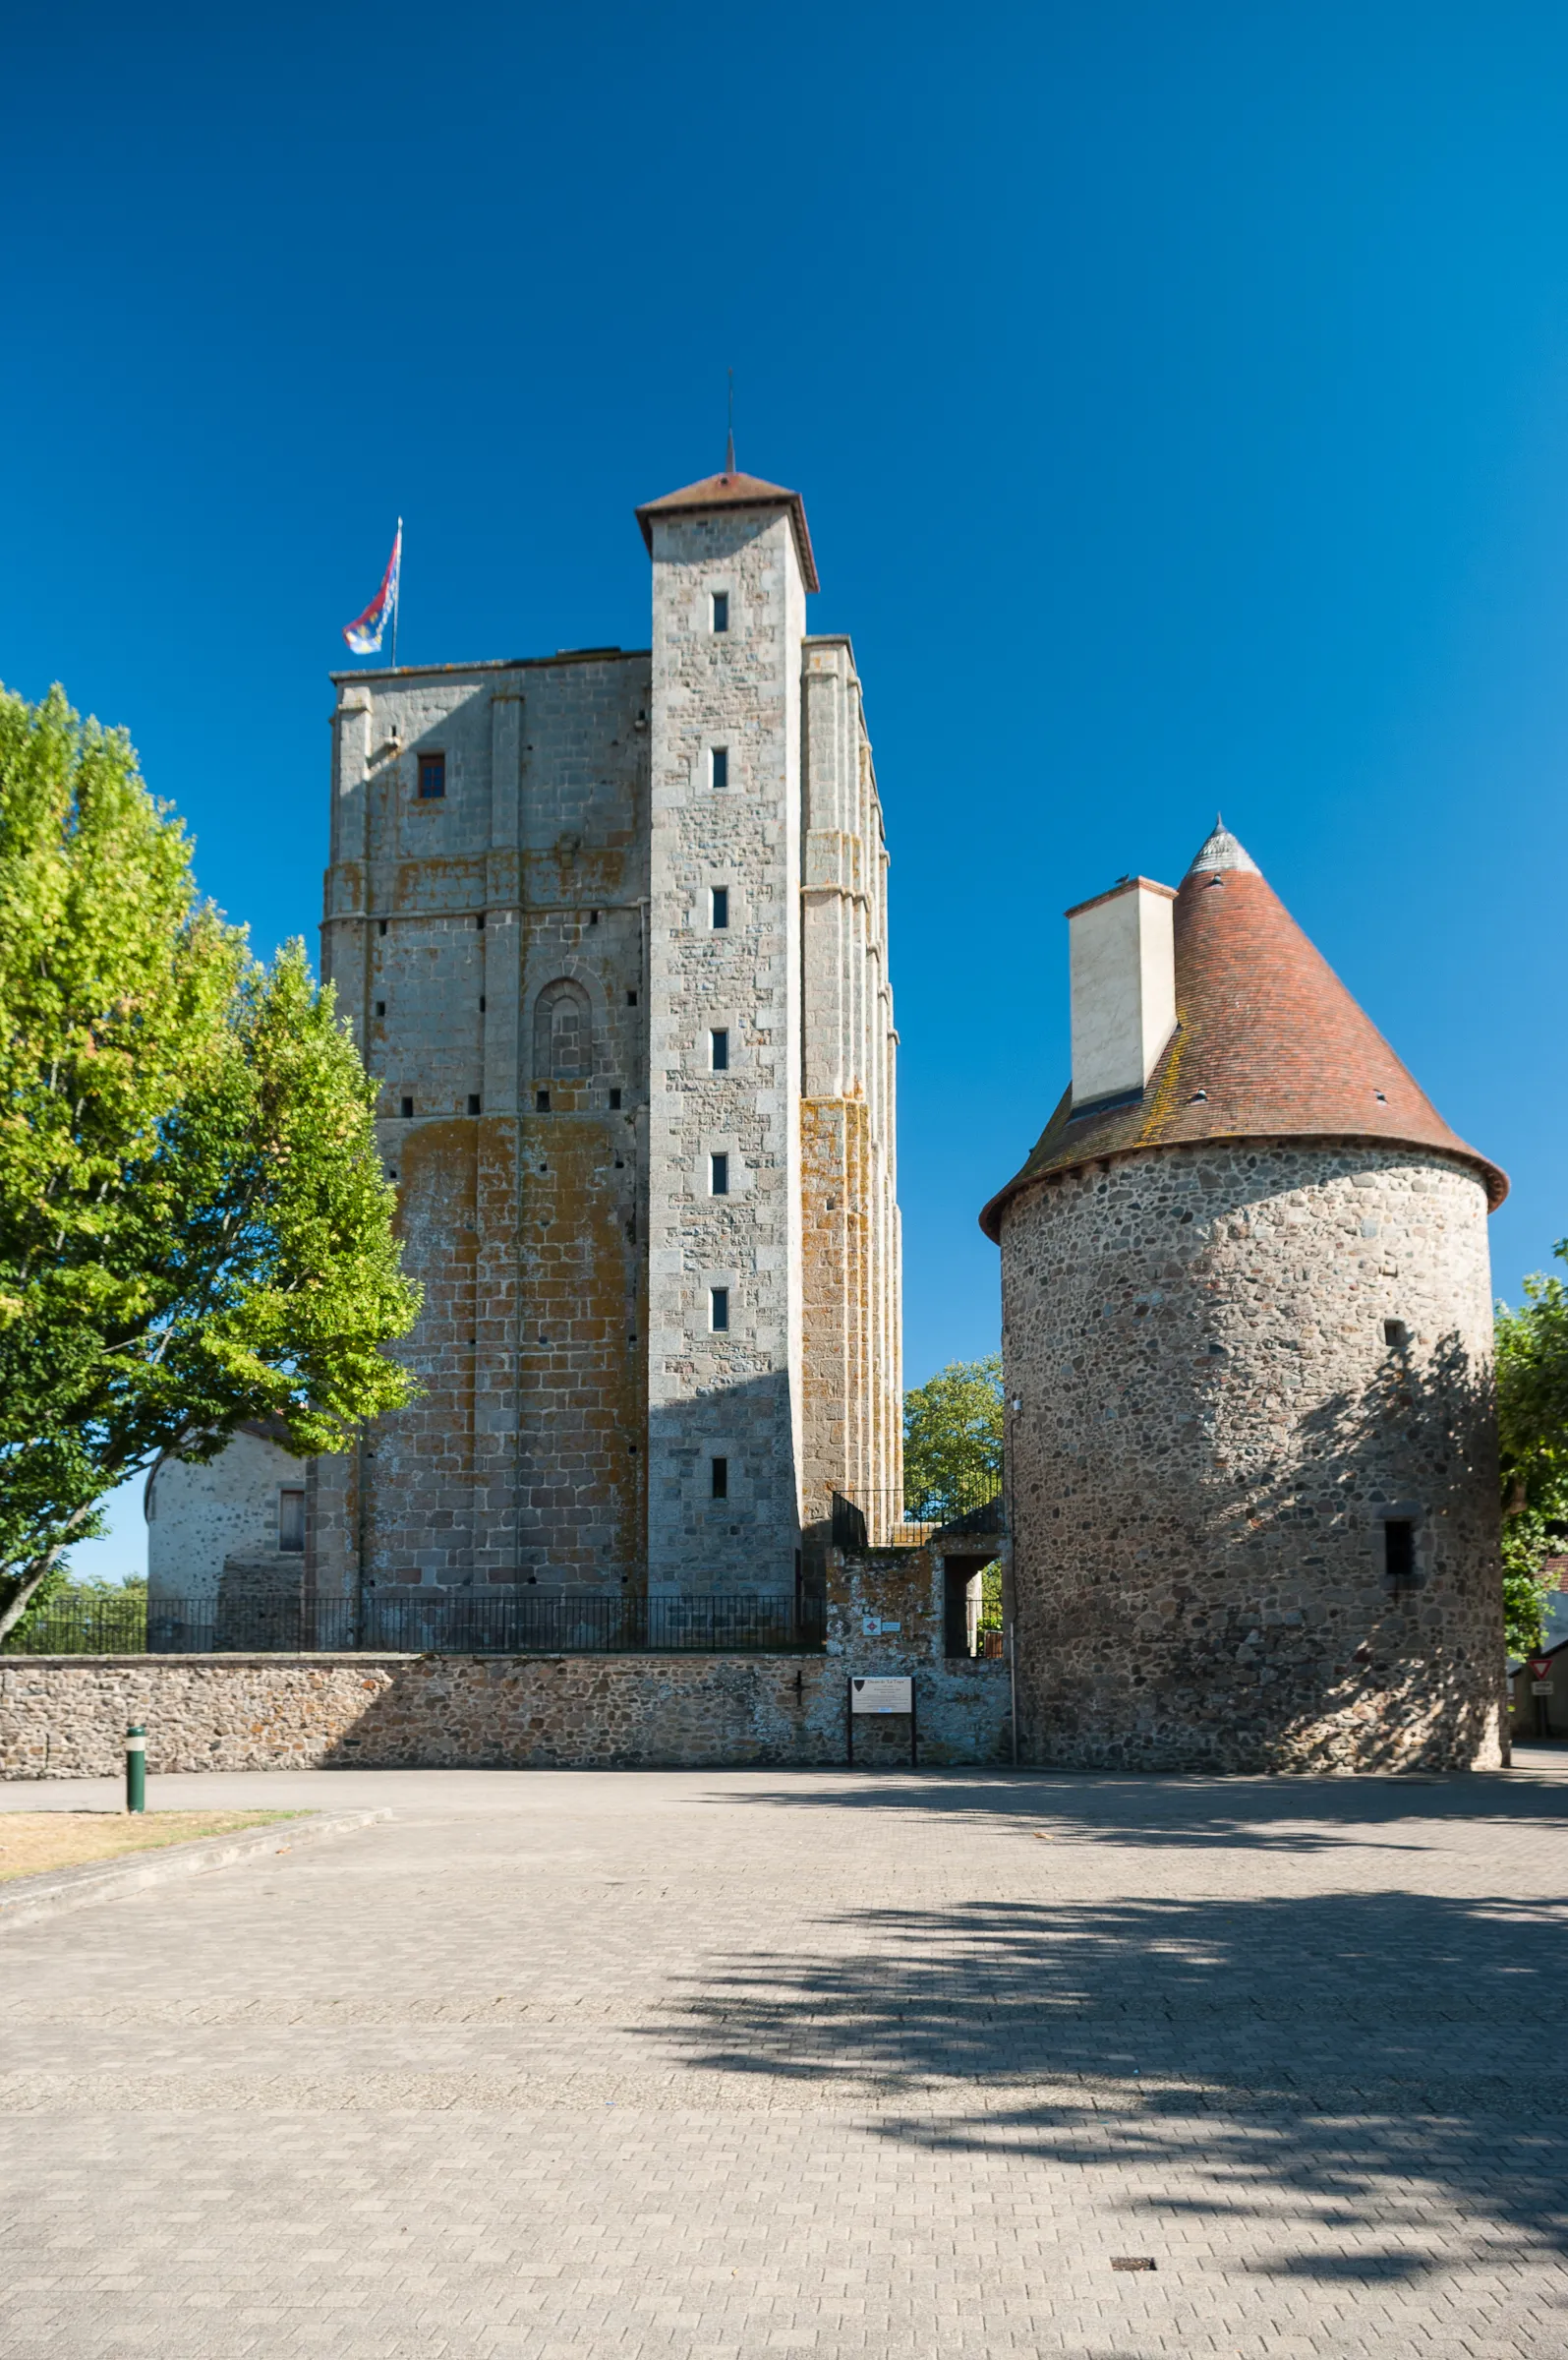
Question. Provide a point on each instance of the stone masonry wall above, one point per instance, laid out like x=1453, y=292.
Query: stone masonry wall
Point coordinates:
x=65, y=1716
x=1212, y=1432
x=730, y=1395
x=453, y=927
x=851, y=1373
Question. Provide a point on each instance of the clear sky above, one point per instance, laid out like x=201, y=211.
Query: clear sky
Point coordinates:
x=1179, y=395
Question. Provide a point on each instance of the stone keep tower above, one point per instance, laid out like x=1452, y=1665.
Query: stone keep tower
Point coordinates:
x=611, y=929
x=1247, y=1340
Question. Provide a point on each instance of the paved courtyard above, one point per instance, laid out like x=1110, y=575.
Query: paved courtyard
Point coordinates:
x=741, y=2063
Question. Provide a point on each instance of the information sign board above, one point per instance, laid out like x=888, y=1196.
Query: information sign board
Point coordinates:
x=882, y=1695
x=1540, y=1688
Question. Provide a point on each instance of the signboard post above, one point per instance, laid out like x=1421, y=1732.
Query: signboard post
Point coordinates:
x=879, y=1697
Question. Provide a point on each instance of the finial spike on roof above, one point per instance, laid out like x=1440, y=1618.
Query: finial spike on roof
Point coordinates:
x=729, y=455
x=1221, y=851
x=730, y=445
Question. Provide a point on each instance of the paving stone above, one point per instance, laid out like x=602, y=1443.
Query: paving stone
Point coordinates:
x=740, y=2063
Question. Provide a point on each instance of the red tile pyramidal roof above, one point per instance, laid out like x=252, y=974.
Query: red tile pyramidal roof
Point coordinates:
x=1268, y=1045
x=732, y=490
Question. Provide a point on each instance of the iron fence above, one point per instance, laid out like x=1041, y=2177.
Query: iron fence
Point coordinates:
x=907, y=1519
x=416, y=1623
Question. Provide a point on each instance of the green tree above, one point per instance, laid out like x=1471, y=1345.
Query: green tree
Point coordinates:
x=953, y=1434
x=195, y=1228
x=1532, y=1434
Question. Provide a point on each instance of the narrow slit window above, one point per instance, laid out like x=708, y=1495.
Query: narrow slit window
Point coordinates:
x=405, y=1107
x=291, y=1521
x=631, y=999
x=721, y=907
x=380, y=925
x=721, y=766
x=719, y=1049
x=720, y=1478
x=614, y=1102
x=473, y=1101
x=719, y=1310
x=718, y=1175
x=380, y=1007
x=482, y=1003
x=721, y=599
x=1399, y=1551
x=541, y=1102
x=432, y=778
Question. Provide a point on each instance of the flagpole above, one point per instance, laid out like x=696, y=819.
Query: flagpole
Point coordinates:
x=398, y=599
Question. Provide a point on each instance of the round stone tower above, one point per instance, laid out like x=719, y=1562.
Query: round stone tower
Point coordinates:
x=1247, y=1343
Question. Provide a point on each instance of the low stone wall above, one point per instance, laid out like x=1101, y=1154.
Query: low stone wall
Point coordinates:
x=65, y=1716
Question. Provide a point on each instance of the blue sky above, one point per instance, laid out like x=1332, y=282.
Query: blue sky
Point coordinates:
x=1180, y=397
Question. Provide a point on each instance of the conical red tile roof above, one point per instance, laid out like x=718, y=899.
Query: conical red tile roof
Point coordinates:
x=736, y=490
x=1268, y=1045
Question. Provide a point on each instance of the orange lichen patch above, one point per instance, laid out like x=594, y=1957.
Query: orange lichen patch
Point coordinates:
x=581, y=1361
x=459, y=884
x=843, y=1442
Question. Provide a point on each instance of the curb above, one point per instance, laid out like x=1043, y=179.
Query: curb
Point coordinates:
x=45, y=1896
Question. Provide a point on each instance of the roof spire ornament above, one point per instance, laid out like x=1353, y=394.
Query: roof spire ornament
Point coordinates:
x=1221, y=851
x=729, y=441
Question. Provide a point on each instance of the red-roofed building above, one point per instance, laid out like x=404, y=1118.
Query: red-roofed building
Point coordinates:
x=1247, y=1313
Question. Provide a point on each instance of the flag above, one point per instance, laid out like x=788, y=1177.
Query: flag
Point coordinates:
x=364, y=635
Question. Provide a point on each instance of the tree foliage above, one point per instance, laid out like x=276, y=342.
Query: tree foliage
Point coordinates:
x=195, y=1228
x=1532, y=1434
x=953, y=1434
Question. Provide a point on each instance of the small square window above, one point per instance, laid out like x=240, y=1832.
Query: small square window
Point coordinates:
x=719, y=1310
x=720, y=1478
x=721, y=766
x=541, y=1102
x=432, y=778
x=719, y=1051
x=718, y=1175
x=380, y=925
x=614, y=1102
x=291, y=1521
x=721, y=907
x=473, y=1101
x=405, y=1107
x=1395, y=1334
x=380, y=1007
x=720, y=600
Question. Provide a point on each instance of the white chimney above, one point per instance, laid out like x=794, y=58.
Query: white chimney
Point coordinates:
x=1123, y=956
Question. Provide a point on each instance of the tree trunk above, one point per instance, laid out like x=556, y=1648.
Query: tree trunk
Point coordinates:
x=20, y=1584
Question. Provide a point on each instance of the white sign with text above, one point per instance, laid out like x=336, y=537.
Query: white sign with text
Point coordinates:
x=882, y=1695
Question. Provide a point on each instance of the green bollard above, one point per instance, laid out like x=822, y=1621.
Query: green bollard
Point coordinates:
x=136, y=1767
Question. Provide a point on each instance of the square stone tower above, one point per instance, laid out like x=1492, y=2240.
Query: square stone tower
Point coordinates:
x=611, y=929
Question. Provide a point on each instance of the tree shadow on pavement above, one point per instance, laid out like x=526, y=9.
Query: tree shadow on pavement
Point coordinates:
x=1268, y=1815
x=1341, y=2058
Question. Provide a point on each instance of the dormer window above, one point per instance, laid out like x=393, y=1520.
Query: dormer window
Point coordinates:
x=432, y=778
x=721, y=610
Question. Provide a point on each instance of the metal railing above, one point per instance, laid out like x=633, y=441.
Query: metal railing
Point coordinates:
x=416, y=1623
x=907, y=1519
